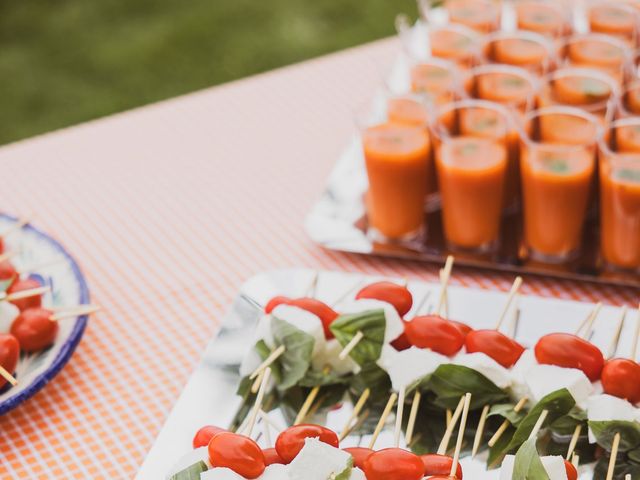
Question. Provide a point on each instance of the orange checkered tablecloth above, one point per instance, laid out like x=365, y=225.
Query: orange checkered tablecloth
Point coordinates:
x=168, y=209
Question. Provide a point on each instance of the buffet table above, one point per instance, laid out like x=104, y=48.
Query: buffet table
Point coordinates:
x=169, y=208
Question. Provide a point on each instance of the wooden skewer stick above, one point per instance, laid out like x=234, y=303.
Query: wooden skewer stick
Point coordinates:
x=445, y=274
x=420, y=305
x=634, y=345
x=258, y=404
x=575, y=460
x=256, y=383
x=21, y=222
x=463, y=424
x=7, y=376
x=356, y=411
x=448, y=417
x=588, y=321
x=480, y=430
x=505, y=424
x=32, y=292
x=399, y=415
x=265, y=418
x=517, y=283
x=360, y=420
x=86, y=310
x=266, y=428
x=413, y=414
x=613, y=346
x=574, y=441
x=311, y=290
x=515, y=321
x=614, y=456
x=304, y=410
x=444, y=443
x=351, y=345
x=383, y=418
x=273, y=356
x=348, y=293
x=539, y=423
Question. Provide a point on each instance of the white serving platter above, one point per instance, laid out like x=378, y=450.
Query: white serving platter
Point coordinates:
x=209, y=396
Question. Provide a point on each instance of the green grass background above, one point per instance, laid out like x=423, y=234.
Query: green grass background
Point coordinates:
x=67, y=61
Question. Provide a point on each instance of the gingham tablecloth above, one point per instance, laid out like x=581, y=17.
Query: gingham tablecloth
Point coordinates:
x=168, y=209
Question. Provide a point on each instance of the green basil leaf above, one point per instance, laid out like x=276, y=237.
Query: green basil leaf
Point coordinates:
x=528, y=465
x=191, y=473
x=296, y=359
x=557, y=404
x=605, y=431
x=372, y=324
x=505, y=411
x=566, y=425
x=314, y=378
x=346, y=473
x=450, y=382
x=621, y=469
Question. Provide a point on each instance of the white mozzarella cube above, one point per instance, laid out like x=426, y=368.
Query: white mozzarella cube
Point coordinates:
x=250, y=361
x=554, y=465
x=275, y=471
x=394, y=325
x=409, y=365
x=519, y=388
x=220, y=473
x=608, y=407
x=357, y=474
x=188, y=459
x=330, y=357
x=506, y=470
x=263, y=331
x=485, y=365
x=318, y=461
x=305, y=321
x=545, y=379
x=8, y=313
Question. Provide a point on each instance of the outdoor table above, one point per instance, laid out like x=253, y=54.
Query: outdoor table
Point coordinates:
x=168, y=209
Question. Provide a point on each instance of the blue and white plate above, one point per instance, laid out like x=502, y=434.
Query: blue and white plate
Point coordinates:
x=40, y=256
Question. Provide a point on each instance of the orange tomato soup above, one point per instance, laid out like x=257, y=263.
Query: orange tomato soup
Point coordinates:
x=568, y=87
x=471, y=173
x=453, y=44
x=631, y=101
x=627, y=138
x=620, y=209
x=611, y=19
x=396, y=158
x=521, y=52
x=599, y=52
x=480, y=15
x=541, y=17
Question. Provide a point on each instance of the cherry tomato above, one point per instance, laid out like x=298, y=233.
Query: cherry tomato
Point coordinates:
x=34, y=330
x=271, y=456
x=402, y=342
x=326, y=314
x=570, y=351
x=496, y=345
x=572, y=473
x=290, y=441
x=463, y=327
x=621, y=378
x=8, y=272
x=442, y=477
x=436, y=333
x=29, y=302
x=237, y=452
x=205, y=434
x=274, y=302
x=397, y=295
x=435, y=464
x=393, y=464
x=359, y=454
x=9, y=354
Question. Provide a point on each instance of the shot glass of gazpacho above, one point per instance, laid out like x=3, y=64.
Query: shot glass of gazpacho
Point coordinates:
x=483, y=16
x=548, y=18
x=629, y=101
x=620, y=194
x=470, y=141
x=601, y=52
x=557, y=165
x=591, y=90
x=514, y=88
x=614, y=18
x=456, y=43
x=520, y=48
x=397, y=158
